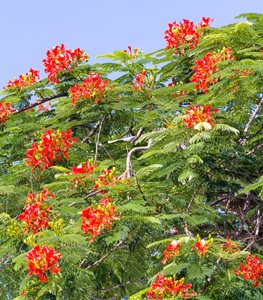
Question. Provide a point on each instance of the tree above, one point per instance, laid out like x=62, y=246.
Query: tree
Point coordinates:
x=147, y=186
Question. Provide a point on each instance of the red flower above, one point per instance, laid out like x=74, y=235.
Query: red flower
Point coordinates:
x=24, y=80
x=229, y=247
x=171, y=251
x=132, y=52
x=60, y=59
x=139, y=80
x=164, y=288
x=42, y=260
x=93, y=87
x=201, y=246
x=94, y=220
x=106, y=179
x=252, y=270
x=200, y=115
x=86, y=168
x=207, y=66
x=184, y=33
x=5, y=110
x=52, y=147
x=36, y=212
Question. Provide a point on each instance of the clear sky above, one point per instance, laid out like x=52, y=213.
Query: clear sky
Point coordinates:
x=28, y=28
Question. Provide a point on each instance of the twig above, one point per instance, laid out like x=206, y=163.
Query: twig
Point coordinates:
x=97, y=141
x=91, y=193
x=92, y=132
x=252, y=117
x=40, y=102
x=211, y=277
x=128, y=172
x=97, y=262
x=187, y=212
x=139, y=187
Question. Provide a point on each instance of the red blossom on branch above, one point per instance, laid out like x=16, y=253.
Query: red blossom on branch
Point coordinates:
x=201, y=246
x=139, y=80
x=60, y=59
x=36, y=212
x=84, y=169
x=197, y=115
x=53, y=147
x=184, y=33
x=229, y=247
x=207, y=66
x=106, y=179
x=42, y=260
x=171, y=251
x=252, y=270
x=93, y=87
x=94, y=220
x=5, y=110
x=24, y=80
x=132, y=52
x=168, y=287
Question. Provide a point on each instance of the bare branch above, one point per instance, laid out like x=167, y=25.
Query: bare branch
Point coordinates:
x=97, y=262
x=40, y=102
x=128, y=172
x=98, y=140
x=252, y=117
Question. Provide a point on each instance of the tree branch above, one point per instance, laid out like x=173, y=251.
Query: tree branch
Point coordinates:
x=252, y=117
x=40, y=102
x=128, y=172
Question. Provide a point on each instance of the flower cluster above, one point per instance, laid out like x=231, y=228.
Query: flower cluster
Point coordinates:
x=53, y=147
x=24, y=80
x=5, y=110
x=164, y=288
x=139, y=81
x=93, y=87
x=41, y=260
x=60, y=59
x=184, y=33
x=229, y=247
x=106, y=179
x=207, y=66
x=84, y=169
x=132, y=52
x=94, y=220
x=201, y=246
x=171, y=251
x=252, y=270
x=200, y=116
x=36, y=212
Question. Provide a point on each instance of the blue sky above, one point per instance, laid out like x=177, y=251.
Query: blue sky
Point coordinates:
x=29, y=28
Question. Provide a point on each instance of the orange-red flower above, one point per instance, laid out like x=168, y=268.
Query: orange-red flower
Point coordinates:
x=201, y=246
x=60, y=59
x=171, y=251
x=53, y=147
x=132, y=52
x=200, y=115
x=93, y=87
x=24, y=80
x=168, y=287
x=184, y=33
x=229, y=247
x=5, y=110
x=94, y=220
x=36, y=212
x=207, y=66
x=86, y=168
x=139, y=80
x=106, y=179
x=43, y=260
x=252, y=270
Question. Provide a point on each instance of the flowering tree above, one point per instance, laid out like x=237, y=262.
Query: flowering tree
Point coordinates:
x=148, y=186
